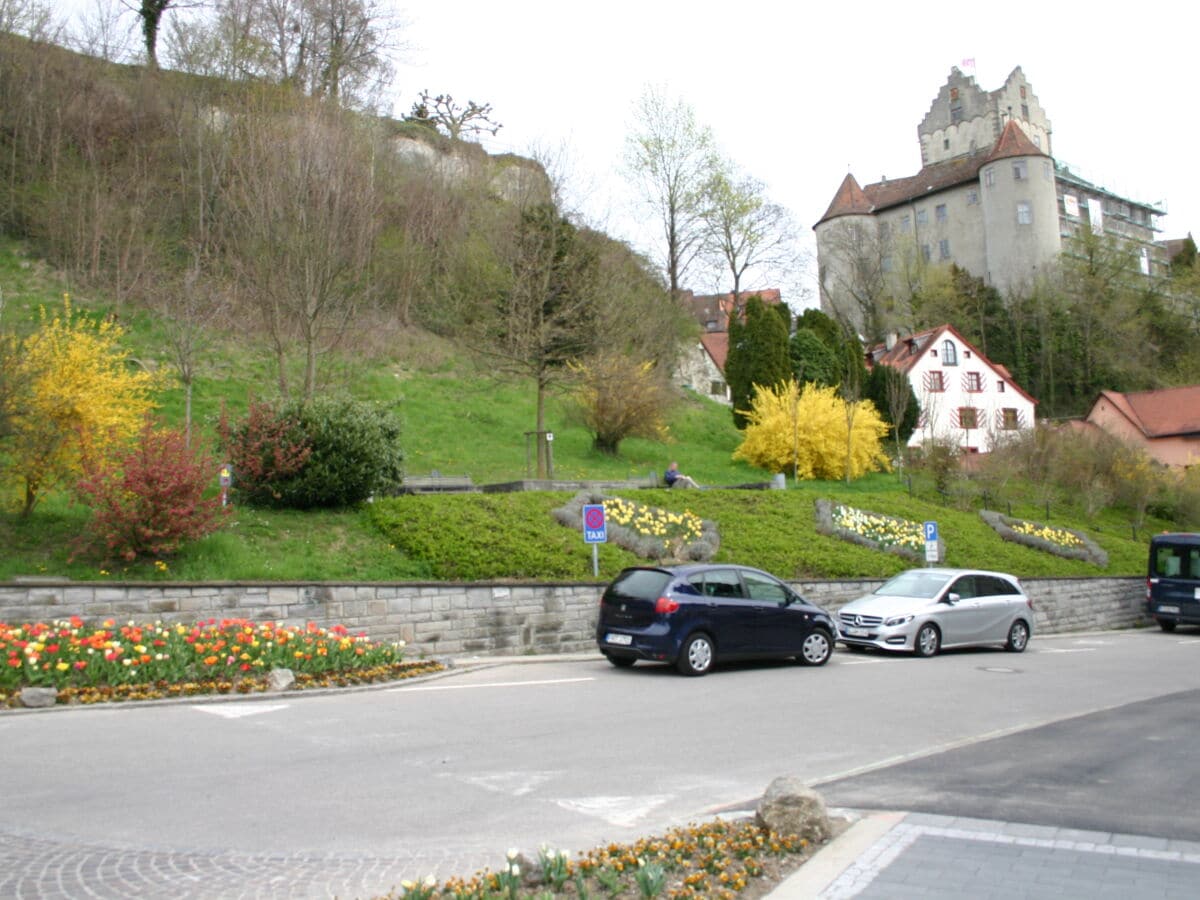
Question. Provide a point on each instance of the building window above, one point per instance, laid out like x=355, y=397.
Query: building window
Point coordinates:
x=1047, y=169
x=1037, y=141
x=1000, y=386
x=934, y=383
x=944, y=248
x=922, y=216
x=967, y=417
x=1022, y=92
x=1010, y=420
x=1020, y=170
x=926, y=252
x=972, y=198
x=945, y=143
x=906, y=224
x=989, y=177
x=1025, y=111
x=973, y=383
x=949, y=353
x=716, y=388
x=939, y=212
x=1024, y=213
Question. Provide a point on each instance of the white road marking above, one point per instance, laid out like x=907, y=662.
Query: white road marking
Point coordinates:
x=622, y=811
x=1066, y=649
x=490, y=684
x=515, y=784
x=239, y=710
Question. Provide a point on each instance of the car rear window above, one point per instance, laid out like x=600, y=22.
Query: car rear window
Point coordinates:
x=638, y=584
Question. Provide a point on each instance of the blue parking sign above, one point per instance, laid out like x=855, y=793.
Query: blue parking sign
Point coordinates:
x=931, y=533
x=595, y=527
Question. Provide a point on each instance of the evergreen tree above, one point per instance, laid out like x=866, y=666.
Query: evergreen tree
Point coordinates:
x=758, y=355
x=889, y=389
x=812, y=359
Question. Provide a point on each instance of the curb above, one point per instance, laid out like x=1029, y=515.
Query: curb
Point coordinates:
x=837, y=856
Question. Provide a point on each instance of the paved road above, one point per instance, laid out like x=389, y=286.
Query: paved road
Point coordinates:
x=347, y=794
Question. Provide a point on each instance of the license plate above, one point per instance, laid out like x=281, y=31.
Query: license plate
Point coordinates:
x=1168, y=609
x=623, y=640
x=856, y=632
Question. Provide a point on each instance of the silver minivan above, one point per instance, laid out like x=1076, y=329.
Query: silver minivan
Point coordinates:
x=924, y=610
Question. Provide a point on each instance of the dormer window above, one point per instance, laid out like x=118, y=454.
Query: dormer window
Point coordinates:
x=949, y=353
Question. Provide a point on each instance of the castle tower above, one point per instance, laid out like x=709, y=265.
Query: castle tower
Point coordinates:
x=848, y=256
x=1019, y=201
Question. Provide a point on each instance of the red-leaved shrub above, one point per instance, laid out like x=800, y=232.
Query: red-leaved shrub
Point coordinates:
x=265, y=449
x=150, y=501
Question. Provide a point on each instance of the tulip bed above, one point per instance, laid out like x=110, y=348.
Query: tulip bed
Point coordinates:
x=91, y=664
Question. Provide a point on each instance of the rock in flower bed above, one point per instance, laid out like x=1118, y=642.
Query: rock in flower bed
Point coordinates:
x=719, y=859
x=1048, y=538
x=107, y=662
x=648, y=531
x=879, y=532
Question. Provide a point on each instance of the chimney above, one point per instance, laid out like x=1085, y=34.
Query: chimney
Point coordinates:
x=891, y=339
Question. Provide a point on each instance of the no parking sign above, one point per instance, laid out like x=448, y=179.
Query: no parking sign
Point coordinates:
x=595, y=527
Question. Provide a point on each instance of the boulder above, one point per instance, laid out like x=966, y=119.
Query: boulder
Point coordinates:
x=281, y=679
x=791, y=807
x=34, y=697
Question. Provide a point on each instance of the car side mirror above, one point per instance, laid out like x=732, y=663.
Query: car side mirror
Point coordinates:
x=952, y=598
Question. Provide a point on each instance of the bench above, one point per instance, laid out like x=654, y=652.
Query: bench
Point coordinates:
x=437, y=483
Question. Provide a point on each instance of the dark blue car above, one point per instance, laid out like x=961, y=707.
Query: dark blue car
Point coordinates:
x=694, y=615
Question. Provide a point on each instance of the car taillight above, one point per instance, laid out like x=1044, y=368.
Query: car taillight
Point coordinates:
x=1147, y=589
x=665, y=605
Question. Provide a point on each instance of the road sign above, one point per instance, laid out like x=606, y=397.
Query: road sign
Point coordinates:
x=595, y=528
x=931, y=541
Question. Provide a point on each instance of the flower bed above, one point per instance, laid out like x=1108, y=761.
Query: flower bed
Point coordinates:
x=648, y=531
x=715, y=860
x=900, y=536
x=90, y=664
x=1048, y=538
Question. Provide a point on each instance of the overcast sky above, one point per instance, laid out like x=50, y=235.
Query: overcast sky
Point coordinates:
x=797, y=96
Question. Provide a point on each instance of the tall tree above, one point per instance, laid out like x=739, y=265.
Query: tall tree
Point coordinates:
x=151, y=13
x=301, y=223
x=743, y=230
x=441, y=111
x=758, y=355
x=672, y=158
x=545, y=317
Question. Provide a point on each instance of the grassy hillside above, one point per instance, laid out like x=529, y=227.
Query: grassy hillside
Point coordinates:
x=461, y=418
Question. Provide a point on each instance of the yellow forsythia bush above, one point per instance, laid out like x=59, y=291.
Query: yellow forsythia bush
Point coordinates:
x=807, y=429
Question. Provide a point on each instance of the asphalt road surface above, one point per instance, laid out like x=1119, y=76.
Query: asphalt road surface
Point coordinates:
x=348, y=793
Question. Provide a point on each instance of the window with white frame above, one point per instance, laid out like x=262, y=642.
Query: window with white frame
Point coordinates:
x=944, y=248
x=972, y=198
x=949, y=353
x=922, y=216
x=939, y=212
x=1020, y=170
x=1024, y=213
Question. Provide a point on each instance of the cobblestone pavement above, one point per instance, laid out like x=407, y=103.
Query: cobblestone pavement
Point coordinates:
x=35, y=868
x=930, y=856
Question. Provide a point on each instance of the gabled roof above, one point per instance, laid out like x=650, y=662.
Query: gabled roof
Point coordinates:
x=716, y=344
x=1167, y=412
x=718, y=307
x=850, y=198
x=908, y=351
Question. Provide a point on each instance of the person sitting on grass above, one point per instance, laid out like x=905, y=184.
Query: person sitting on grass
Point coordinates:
x=674, y=478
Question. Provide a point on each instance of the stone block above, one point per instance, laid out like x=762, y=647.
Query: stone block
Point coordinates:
x=789, y=806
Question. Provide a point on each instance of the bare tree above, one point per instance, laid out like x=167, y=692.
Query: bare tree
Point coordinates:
x=33, y=19
x=101, y=33
x=854, y=279
x=671, y=157
x=302, y=217
x=442, y=111
x=743, y=230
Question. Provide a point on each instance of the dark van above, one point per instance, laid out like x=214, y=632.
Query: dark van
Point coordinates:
x=1173, y=580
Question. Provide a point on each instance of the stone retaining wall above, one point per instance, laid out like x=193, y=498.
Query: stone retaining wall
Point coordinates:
x=439, y=619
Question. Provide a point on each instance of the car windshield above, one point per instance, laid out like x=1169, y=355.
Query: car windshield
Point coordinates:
x=925, y=585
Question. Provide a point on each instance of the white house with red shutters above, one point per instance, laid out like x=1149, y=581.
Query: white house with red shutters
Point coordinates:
x=965, y=398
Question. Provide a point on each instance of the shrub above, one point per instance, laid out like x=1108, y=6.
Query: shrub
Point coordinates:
x=320, y=454
x=149, y=502
x=265, y=449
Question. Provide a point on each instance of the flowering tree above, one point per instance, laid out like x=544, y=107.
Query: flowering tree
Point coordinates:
x=78, y=396
x=617, y=399
x=806, y=431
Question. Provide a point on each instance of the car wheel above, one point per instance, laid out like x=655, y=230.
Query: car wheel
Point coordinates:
x=1167, y=624
x=697, y=655
x=928, y=642
x=1018, y=637
x=816, y=649
x=621, y=662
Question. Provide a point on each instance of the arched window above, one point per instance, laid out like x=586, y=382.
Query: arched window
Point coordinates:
x=949, y=354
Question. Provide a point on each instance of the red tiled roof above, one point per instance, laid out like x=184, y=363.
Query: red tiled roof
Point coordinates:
x=717, y=345
x=931, y=179
x=717, y=307
x=1163, y=413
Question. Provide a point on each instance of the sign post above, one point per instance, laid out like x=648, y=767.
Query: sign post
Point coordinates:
x=226, y=479
x=931, y=542
x=595, y=531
